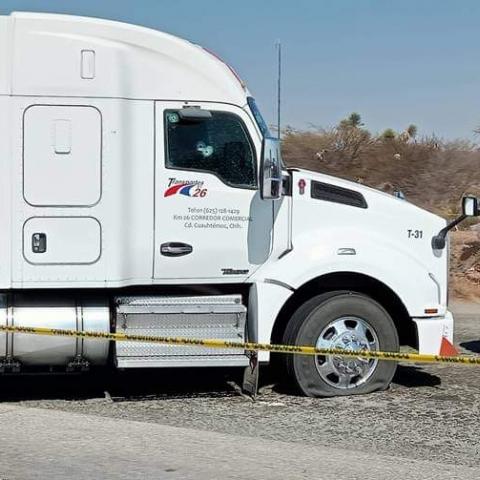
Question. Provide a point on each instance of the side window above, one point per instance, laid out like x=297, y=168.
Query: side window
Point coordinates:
x=219, y=144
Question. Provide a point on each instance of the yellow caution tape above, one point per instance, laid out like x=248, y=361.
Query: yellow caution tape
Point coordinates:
x=250, y=346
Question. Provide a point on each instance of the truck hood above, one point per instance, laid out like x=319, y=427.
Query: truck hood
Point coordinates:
x=331, y=214
x=375, y=199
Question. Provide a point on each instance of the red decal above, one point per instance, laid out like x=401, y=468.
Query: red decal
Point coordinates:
x=173, y=190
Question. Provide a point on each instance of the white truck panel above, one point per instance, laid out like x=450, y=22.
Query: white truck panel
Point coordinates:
x=69, y=240
x=265, y=302
x=62, y=156
x=125, y=212
x=5, y=55
x=6, y=135
x=74, y=56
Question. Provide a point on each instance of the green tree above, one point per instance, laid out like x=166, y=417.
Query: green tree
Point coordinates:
x=354, y=120
x=388, y=135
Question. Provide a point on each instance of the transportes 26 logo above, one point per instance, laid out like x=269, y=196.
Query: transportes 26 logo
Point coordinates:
x=189, y=188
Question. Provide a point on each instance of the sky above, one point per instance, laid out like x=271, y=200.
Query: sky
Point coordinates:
x=394, y=62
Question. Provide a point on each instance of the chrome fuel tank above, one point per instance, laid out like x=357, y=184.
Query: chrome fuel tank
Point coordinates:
x=45, y=311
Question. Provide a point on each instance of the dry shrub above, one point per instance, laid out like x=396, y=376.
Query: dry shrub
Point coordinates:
x=465, y=264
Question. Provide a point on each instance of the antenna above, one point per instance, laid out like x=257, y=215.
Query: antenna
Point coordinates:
x=278, y=46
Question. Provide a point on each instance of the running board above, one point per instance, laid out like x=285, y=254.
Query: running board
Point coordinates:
x=222, y=317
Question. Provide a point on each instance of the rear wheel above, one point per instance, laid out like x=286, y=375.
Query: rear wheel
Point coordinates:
x=344, y=320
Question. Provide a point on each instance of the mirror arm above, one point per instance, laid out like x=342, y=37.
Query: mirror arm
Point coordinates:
x=439, y=241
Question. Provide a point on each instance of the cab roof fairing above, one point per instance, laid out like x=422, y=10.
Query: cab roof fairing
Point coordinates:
x=130, y=61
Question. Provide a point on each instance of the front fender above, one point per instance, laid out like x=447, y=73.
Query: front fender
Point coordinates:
x=375, y=256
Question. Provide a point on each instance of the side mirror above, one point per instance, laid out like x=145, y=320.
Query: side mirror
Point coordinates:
x=271, y=170
x=470, y=207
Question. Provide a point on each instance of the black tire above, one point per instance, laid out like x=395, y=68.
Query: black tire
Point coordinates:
x=308, y=322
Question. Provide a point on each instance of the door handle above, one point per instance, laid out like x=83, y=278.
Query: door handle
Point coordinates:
x=175, y=249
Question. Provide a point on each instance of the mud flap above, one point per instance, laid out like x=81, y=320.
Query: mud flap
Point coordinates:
x=250, y=375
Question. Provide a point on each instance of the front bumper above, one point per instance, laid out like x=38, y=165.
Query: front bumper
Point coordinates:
x=430, y=332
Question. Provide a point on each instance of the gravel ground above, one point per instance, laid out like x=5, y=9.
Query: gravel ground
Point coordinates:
x=54, y=445
x=429, y=413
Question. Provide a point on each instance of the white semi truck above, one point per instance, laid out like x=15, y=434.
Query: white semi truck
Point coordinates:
x=141, y=193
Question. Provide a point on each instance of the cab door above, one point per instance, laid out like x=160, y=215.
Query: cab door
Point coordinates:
x=210, y=222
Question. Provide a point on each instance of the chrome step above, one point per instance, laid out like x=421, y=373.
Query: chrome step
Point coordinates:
x=221, y=317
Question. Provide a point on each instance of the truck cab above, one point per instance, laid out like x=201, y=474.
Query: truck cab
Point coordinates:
x=142, y=192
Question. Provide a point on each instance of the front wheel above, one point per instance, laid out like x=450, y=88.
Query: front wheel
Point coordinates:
x=345, y=320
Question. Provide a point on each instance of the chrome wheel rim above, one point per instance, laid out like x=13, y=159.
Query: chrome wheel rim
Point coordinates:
x=352, y=334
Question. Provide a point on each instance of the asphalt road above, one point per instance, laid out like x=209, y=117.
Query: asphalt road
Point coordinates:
x=193, y=424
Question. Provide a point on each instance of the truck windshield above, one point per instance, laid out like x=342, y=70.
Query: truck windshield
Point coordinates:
x=262, y=125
